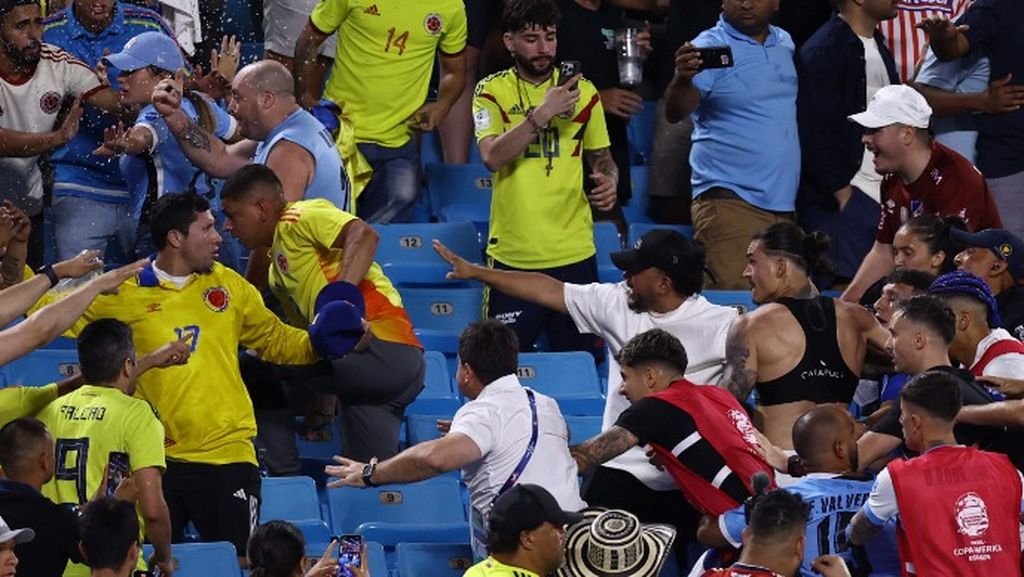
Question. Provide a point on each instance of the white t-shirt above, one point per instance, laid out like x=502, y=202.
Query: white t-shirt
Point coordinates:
x=1009, y=365
x=867, y=180
x=31, y=105
x=603, y=310
x=499, y=421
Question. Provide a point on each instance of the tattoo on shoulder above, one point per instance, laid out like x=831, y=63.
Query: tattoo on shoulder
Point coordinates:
x=737, y=379
x=195, y=136
x=604, y=447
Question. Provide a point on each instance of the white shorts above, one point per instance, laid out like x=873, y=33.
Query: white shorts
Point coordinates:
x=283, y=20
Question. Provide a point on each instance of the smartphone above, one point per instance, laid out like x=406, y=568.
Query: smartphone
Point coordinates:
x=567, y=69
x=715, y=57
x=118, y=470
x=350, y=552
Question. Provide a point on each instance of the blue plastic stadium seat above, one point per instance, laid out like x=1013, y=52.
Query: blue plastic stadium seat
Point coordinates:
x=742, y=300
x=439, y=314
x=374, y=553
x=203, y=559
x=436, y=500
x=313, y=530
x=422, y=427
x=437, y=396
x=582, y=427
x=433, y=559
x=570, y=378
x=41, y=367
x=406, y=254
x=638, y=229
x=391, y=534
x=607, y=241
x=289, y=498
x=449, y=184
x=637, y=207
x=640, y=133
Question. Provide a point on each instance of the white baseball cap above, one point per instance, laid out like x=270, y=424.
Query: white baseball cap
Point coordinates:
x=896, y=103
x=19, y=536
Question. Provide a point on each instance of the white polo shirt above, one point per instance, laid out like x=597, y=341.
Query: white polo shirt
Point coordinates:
x=1008, y=365
x=499, y=421
x=31, y=104
x=603, y=310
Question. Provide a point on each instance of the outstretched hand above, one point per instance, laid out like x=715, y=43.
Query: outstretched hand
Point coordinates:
x=461, y=268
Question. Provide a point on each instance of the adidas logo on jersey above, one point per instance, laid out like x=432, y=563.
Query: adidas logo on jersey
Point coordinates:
x=372, y=10
x=240, y=494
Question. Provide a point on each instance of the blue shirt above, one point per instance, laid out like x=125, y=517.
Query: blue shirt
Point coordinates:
x=78, y=172
x=166, y=169
x=996, y=32
x=833, y=502
x=744, y=129
x=967, y=75
x=330, y=181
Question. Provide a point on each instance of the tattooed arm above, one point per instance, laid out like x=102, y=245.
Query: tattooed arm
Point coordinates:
x=602, y=448
x=605, y=176
x=740, y=360
x=205, y=150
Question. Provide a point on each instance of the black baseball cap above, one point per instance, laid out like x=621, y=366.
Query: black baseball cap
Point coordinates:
x=664, y=249
x=1004, y=244
x=525, y=507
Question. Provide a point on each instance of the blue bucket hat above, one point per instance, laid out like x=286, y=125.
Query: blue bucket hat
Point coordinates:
x=337, y=324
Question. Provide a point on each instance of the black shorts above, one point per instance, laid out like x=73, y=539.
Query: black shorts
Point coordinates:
x=222, y=501
x=529, y=319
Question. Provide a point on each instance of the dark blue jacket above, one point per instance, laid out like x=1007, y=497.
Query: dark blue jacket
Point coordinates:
x=833, y=85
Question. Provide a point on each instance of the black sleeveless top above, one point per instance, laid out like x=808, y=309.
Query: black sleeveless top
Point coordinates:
x=821, y=376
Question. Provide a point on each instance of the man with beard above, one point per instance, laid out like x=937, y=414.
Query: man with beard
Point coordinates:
x=664, y=274
x=212, y=477
x=534, y=129
x=35, y=80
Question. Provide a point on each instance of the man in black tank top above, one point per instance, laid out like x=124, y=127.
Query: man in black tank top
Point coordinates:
x=799, y=349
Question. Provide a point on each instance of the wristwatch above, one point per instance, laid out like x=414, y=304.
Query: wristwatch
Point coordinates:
x=368, y=470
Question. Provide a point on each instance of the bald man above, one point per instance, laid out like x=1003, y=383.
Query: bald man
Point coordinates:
x=825, y=438
x=278, y=133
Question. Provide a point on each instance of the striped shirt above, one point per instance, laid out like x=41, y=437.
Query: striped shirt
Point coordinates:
x=906, y=42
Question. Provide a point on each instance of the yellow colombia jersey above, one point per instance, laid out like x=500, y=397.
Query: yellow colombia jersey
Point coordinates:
x=204, y=406
x=539, y=218
x=303, y=263
x=88, y=425
x=491, y=567
x=386, y=52
x=17, y=402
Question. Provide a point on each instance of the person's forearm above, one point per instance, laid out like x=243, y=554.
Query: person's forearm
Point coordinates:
x=12, y=269
x=206, y=151
x=950, y=48
x=23, y=144
x=507, y=146
x=998, y=414
x=876, y=265
x=453, y=82
x=946, y=103
x=360, y=248
x=535, y=287
x=140, y=140
x=873, y=446
x=47, y=323
x=411, y=465
x=69, y=384
x=681, y=99
x=15, y=300
x=158, y=531
x=307, y=52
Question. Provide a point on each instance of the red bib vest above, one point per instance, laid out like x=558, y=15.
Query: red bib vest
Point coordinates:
x=959, y=513
x=723, y=423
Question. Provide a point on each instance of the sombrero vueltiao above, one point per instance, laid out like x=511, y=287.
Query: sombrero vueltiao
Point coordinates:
x=612, y=542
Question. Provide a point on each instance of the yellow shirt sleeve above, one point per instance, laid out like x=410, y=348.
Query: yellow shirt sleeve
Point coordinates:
x=268, y=335
x=595, y=137
x=453, y=41
x=18, y=402
x=488, y=117
x=328, y=15
x=146, y=443
x=321, y=223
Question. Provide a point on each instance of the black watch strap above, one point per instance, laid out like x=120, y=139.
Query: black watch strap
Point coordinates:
x=368, y=470
x=47, y=269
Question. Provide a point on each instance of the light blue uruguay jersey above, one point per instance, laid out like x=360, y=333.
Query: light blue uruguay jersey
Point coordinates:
x=77, y=171
x=330, y=181
x=833, y=503
x=165, y=168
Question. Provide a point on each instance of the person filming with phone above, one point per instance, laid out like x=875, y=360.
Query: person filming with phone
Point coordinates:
x=535, y=125
x=738, y=81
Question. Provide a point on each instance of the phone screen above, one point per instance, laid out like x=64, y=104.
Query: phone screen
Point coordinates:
x=117, y=470
x=349, y=553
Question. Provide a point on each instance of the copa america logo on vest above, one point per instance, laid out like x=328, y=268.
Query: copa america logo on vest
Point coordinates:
x=971, y=515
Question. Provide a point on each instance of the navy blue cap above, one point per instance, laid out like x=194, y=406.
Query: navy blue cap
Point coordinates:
x=1004, y=244
x=338, y=319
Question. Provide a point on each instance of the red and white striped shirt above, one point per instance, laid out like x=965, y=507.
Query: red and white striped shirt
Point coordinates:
x=906, y=42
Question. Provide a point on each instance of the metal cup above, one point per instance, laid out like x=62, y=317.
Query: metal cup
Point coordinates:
x=630, y=58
